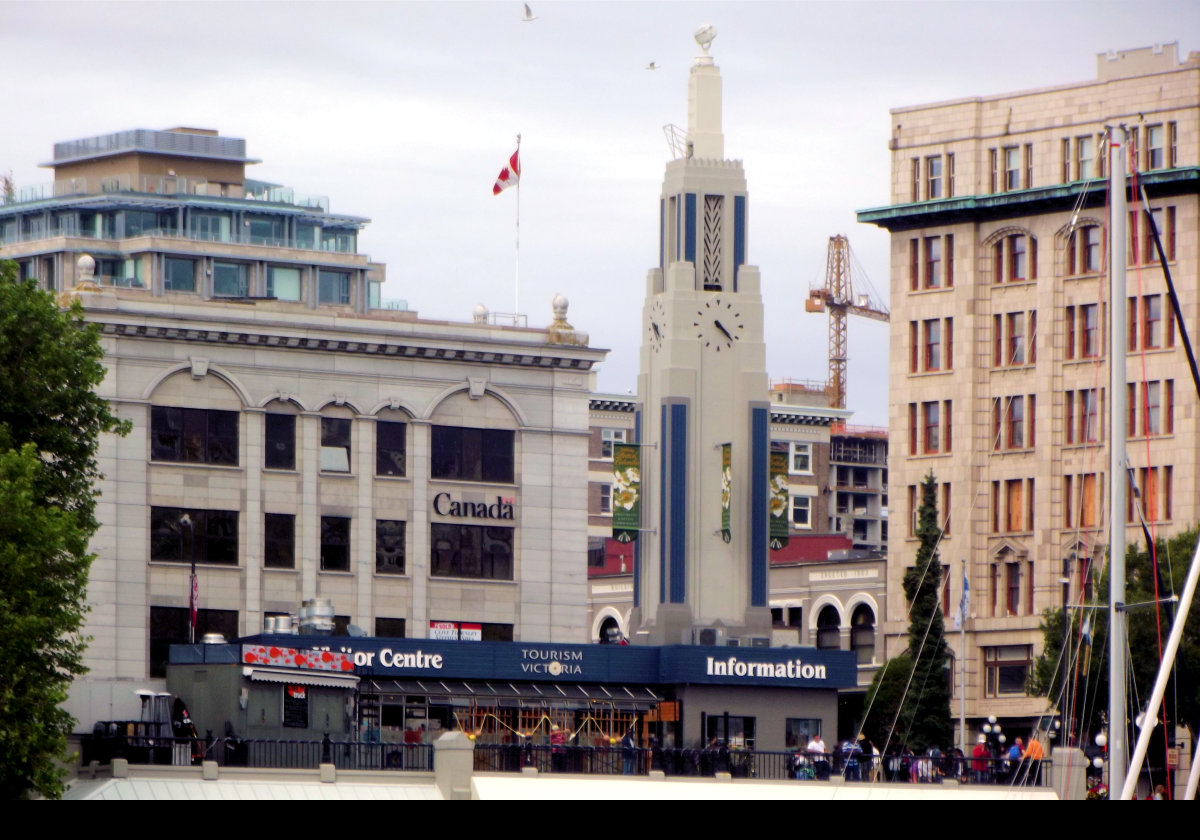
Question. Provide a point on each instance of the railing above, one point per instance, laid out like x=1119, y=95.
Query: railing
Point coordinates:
x=139, y=744
x=235, y=238
x=755, y=764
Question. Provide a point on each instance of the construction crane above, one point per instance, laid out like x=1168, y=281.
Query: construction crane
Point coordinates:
x=838, y=297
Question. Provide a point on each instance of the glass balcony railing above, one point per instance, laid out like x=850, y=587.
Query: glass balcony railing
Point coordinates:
x=338, y=245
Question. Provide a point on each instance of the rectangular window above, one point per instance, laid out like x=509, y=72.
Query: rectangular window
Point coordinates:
x=179, y=275
x=465, y=454
x=1014, y=505
x=798, y=731
x=1089, y=252
x=471, y=551
x=1016, y=338
x=802, y=512
x=1089, y=318
x=949, y=252
x=605, y=498
x=194, y=436
x=389, y=546
x=997, y=341
x=1087, y=158
x=1028, y=182
x=279, y=541
x=916, y=179
x=1016, y=423
x=913, y=347
x=1089, y=416
x=333, y=287
x=933, y=345
x=800, y=458
x=229, y=280
x=1155, y=147
x=1152, y=322
x=1007, y=669
x=912, y=510
x=280, y=450
x=607, y=438
x=1090, y=492
x=947, y=495
x=948, y=337
x=335, y=543
x=993, y=171
x=1033, y=337
x=933, y=262
x=390, y=447
x=215, y=531
x=933, y=170
x=912, y=429
x=283, y=283
x=914, y=264
x=946, y=418
x=1012, y=168
x=950, y=176
x=1152, y=417
x=1069, y=318
x=335, y=444
x=1018, y=266
x=930, y=427
x=1068, y=171
x=389, y=628
x=169, y=626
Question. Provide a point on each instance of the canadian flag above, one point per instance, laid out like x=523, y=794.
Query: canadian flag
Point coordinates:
x=510, y=175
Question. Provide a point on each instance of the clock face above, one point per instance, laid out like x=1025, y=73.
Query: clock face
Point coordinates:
x=656, y=330
x=718, y=325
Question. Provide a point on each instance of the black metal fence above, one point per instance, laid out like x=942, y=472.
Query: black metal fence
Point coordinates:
x=140, y=743
x=753, y=764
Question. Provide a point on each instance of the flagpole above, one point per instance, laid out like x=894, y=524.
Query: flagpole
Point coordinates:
x=517, y=286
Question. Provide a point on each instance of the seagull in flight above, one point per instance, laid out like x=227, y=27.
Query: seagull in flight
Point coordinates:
x=529, y=15
x=652, y=65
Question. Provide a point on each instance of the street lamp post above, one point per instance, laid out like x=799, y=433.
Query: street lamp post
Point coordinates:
x=185, y=521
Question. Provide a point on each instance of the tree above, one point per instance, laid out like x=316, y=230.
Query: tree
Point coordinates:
x=1088, y=686
x=51, y=420
x=920, y=677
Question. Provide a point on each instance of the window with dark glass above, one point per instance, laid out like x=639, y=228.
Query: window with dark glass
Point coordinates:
x=390, y=447
x=335, y=444
x=1007, y=669
x=194, y=436
x=333, y=287
x=463, y=454
x=471, y=551
x=179, y=275
x=215, y=532
x=169, y=626
x=280, y=448
x=862, y=634
x=335, y=543
x=389, y=546
x=283, y=283
x=279, y=541
x=731, y=730
x=229, y=280
x=829, y=634
x=389, y=628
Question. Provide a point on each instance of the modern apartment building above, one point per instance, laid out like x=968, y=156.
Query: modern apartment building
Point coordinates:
x=999, y=341
x=289, y=435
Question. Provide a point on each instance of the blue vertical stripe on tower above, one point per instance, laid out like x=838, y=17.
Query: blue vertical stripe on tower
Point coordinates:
x=689, y=228
x=739, y=236
x=662, y=236
x=664, y=444
x=678, y=229
x=637, y=544
x=678, y=502
x=759, y=512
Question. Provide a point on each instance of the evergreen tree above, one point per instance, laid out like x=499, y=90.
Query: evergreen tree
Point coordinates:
x=924, y=717
x=51, y=420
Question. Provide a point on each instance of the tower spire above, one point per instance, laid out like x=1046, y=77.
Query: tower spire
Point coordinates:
x=704, y=102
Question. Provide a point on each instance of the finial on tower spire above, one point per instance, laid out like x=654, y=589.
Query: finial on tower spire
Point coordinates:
x=704, y=101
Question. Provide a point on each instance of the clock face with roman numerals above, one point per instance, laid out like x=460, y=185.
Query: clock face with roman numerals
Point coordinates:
x=718, y=325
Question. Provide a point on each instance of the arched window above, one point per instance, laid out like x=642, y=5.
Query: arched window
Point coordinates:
x=829, y=635
x=862, y=634
x=610, y=632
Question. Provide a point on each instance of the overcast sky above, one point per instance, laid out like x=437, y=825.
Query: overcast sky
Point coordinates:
x=405, y=112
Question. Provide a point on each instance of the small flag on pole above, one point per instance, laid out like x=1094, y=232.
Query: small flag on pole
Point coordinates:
x=194, y=603
x=510, y=175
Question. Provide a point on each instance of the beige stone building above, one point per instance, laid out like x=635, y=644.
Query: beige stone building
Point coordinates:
x=291, y=434
x=999, y=382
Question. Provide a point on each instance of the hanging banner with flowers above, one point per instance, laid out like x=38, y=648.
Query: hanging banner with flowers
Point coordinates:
x=777, y=494
x=627, y=491
x=726, y=488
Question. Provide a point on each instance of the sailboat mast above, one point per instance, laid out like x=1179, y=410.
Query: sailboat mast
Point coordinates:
x=1118, y=749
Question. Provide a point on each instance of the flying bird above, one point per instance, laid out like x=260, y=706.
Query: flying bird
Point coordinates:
x=652, y=65
x=529, y=15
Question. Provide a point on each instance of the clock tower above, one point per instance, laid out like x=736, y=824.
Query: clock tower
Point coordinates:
x=703, y=418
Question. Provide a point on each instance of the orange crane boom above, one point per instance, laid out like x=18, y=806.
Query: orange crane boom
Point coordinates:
x=838, y=298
